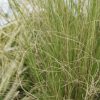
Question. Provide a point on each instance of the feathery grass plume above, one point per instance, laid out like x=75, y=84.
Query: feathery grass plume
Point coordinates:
x=53, y=50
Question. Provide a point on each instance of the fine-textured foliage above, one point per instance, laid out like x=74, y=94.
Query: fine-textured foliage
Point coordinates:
x=51, y=51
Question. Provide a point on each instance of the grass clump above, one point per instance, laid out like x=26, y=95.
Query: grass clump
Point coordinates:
x=52, y=52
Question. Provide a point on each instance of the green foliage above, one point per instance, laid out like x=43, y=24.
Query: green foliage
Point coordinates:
x=53, y=52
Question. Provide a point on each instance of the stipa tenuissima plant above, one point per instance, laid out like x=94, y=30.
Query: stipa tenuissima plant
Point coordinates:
x=52, y=51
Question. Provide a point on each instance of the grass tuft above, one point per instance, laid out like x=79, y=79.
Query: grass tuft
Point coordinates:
x=51, y=51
